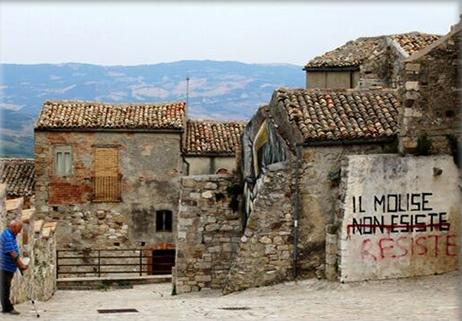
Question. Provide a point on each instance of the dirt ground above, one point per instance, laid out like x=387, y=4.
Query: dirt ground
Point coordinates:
x=422, y=298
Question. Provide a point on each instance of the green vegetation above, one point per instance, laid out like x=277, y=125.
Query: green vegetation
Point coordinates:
x=424, y=145
x=454, y=147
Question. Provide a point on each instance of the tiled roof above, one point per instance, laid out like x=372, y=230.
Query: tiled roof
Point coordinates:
x=97, y=115
x=350, y=54
x=354, y=52
x=413, y=42
x=327, y=115
x=213, y=137
x=19, y=175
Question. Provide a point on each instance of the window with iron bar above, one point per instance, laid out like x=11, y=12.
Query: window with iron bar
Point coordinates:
x=164, y=221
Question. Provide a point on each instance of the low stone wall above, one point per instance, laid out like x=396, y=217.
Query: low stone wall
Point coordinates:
x=213, y=251
x=44, y=267
x=2, y=206
x=209, y=232
x=36, y=241
x=80, y=229
x=266, y=248
x=399, y=217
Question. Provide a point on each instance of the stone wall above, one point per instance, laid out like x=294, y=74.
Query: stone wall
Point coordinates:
x=149, y=167
x=430, y=96
x=36, y=242
x=209, y=232
x=2, y=207
x=213, y=250
x=399, y=217
x=265, y=255
x=319, y=180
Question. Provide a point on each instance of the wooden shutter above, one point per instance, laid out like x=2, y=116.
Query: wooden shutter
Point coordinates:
x=106, y=162
x=107, y=185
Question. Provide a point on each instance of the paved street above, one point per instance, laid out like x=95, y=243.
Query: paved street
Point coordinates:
x=422, y=298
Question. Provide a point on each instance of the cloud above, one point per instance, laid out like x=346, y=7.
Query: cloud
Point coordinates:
x=115, y=96
x=60, y=90
x=11, y=106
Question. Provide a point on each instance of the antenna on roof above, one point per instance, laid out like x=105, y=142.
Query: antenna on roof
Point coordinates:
x=187, y=95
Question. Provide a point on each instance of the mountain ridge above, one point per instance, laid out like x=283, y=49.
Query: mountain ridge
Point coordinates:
x=219, y=90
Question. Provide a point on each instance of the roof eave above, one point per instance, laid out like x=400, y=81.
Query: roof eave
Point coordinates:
x=332, y=68
x=113, y=130
x=208, y=154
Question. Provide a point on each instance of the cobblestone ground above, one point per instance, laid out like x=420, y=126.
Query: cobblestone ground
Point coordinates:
x=423, y=298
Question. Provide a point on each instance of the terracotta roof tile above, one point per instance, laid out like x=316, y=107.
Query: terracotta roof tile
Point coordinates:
x=19, y=175
x=327, y=115
x=98, y=115
x=213, y=137
x=354, y=52
x=350, y=54
x=413, y=42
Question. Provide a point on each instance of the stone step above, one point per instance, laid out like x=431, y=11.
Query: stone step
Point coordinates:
x=103, y=283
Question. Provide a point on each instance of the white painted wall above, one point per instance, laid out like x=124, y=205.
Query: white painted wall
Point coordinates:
x=393, y=252
x=210, y=165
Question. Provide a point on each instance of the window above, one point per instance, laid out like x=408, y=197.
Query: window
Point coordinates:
x=164, y=221
x=63, y=160
x=106, y=181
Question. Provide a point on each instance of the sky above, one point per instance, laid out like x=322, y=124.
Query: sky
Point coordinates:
x=135, y=33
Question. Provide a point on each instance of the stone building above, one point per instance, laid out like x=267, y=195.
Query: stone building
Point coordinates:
x=431, y=96
x=210, y=146
x=19, y=175
x=109, y=173
x=367, y=62
x=325, y=194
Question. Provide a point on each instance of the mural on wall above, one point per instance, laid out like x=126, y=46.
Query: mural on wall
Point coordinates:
x=261, y=146
x=401, y=217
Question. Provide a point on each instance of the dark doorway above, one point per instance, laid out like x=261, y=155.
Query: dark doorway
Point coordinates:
x=163, y=261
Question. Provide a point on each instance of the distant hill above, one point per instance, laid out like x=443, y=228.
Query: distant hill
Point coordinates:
x=221, y=90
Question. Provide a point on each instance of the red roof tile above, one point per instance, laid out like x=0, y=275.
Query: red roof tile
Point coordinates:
x=19, y=175
x=354, y=52
x=98, y=115
x=327, y=115
x=213, y=137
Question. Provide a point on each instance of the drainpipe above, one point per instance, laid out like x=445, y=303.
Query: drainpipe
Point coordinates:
x=296, y=208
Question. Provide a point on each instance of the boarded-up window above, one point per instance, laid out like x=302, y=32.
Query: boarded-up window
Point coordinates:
x=107, y=183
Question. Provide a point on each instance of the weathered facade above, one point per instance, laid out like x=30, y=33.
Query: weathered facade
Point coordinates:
x=398, y=217
x=430, y=90
x=210, y=146
x=120, y=184
x=367, y=62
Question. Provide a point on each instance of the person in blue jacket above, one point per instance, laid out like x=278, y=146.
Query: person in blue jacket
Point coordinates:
x=9, y=262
